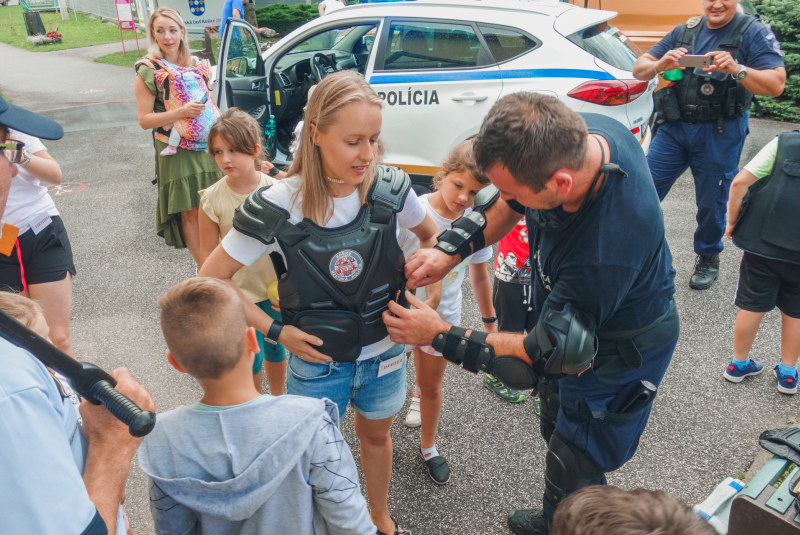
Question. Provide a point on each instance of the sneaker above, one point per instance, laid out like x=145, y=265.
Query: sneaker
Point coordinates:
x=528, y=522
x=787, y=384
x=735, y=375
x=508, y=394
x=413, y=418
x=437, y=468
x=706, y=271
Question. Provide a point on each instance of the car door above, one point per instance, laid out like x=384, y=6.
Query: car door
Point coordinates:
x=438, y=81
x=240, y=72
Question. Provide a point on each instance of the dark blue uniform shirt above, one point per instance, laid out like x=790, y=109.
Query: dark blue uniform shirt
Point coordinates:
x=760, y=49
x=613, y=262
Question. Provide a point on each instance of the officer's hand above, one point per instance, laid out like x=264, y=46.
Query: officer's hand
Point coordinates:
x=302, y=344
x=669, y=61
x=729, y=230
x=103, y=430
x=417, y=327
x=723, y=62
x=427, y=266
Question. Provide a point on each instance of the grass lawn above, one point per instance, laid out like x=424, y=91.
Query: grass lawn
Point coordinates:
x=118, y=59
x=84, y=32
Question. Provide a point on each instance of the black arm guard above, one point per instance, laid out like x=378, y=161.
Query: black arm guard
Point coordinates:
x=474, y=355
x=562, y=343
x=468, y=229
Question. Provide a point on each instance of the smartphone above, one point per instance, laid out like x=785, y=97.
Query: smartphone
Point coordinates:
x=690, y=60
x=204, y=99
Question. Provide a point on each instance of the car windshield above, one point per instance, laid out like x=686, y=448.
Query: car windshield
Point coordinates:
x=321, y=41
x=608, y=44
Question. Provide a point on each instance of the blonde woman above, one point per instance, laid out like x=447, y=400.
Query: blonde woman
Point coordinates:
x=331, y=230
x=172, y=93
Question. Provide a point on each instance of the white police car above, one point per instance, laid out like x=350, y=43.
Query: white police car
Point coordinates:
x=440, y=65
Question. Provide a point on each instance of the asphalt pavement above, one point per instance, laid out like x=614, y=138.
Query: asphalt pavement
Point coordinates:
x=702, y=428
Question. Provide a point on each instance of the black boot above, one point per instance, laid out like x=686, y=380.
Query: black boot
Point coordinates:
x=528, y=522
x=706, y=270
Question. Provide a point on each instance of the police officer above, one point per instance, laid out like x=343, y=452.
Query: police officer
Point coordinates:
x=602, y=287
x=707, y=112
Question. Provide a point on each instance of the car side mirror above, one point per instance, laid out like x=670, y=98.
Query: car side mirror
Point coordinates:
x=236, y=66
x=367, y=41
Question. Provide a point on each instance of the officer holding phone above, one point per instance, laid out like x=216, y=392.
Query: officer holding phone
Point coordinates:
x=707, y=112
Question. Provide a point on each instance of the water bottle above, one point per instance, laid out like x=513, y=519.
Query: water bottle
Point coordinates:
x=269, y=134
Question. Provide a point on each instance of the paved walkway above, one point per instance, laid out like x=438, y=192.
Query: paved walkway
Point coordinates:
x=702, y=429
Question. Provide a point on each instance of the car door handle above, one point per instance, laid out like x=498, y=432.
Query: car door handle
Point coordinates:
x=258, y=86
x=468, y=98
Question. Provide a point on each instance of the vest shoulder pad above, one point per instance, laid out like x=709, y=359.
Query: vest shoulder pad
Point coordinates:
x=694, y=21
x=391, y=185
x=485, y=198
x=258, y=218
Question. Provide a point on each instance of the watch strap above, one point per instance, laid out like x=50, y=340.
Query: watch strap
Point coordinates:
x=274, y=331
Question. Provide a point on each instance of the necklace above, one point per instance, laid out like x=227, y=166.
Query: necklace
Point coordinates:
x=335, y=180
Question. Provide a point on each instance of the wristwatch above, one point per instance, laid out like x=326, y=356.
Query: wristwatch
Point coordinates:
x=742, y=73
x=26, y=157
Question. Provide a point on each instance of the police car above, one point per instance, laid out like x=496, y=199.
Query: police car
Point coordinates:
x=439, y=65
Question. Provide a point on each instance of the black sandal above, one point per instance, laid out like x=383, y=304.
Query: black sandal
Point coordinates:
x=396, y=530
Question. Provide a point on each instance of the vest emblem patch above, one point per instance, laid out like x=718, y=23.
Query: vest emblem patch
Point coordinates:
x=346, y=265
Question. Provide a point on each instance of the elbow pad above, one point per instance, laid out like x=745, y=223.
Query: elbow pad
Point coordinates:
x=563, y=342
x=468, y=229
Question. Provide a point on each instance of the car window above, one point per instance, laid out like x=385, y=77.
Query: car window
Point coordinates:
x=320, y=41
x=506, y=44
x=242, y=52
x=608, y=44
x=424, y=46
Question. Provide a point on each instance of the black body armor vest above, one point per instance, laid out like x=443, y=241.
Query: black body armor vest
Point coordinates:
x=770, y=218
x=337, y=281
x=712, y=95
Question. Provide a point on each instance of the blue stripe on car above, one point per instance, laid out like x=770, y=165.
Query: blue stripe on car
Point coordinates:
x=378, y=79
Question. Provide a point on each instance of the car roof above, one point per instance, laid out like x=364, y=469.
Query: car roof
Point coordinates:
x=568, y=18
x=552, y=8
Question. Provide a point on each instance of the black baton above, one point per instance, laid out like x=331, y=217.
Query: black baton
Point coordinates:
x=88, y=380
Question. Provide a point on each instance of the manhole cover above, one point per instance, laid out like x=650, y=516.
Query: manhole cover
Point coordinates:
x=65, y=188
x=89, y=91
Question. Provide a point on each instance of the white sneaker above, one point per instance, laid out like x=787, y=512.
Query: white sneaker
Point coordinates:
x=413, y=418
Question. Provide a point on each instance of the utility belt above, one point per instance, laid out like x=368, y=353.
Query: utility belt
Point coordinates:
x=621, y=350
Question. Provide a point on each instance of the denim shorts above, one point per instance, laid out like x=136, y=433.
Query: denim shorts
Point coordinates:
x=357, y=382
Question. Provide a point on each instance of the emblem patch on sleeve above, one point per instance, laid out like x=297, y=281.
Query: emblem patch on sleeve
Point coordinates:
x=346, y=265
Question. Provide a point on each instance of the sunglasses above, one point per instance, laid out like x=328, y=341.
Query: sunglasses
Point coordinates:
x=13, y=151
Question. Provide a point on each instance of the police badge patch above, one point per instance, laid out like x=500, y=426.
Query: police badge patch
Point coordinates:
x=346, y=265
x=197, y=7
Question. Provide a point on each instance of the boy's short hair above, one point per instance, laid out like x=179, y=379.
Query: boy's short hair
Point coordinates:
x=21, y=308
x=204, y=325
x=609, y=510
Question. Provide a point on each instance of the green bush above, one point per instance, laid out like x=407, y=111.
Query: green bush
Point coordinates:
x=783, y=16
x=284, y=18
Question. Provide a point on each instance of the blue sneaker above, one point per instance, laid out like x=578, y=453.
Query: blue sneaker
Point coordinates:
x=735, y=375
x=787, y=384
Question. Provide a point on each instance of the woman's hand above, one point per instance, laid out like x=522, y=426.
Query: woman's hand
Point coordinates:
x=192, y=109
x=302, y=344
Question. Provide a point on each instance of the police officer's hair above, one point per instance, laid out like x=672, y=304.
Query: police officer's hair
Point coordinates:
x=533, y=136
x=461, y=159
x=609, y=510
x=154, y=50
x=204, y=325
x=239, y=131
x=21, y=308
x=334, y=93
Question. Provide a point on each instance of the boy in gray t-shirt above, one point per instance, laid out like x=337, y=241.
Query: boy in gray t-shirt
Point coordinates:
x=238, y=461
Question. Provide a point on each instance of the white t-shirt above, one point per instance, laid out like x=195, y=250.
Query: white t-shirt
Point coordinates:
x=247, y=250
x=331, y=6
x=27, y=197
x=450, y=304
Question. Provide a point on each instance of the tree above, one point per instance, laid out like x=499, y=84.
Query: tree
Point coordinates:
x=783, y=17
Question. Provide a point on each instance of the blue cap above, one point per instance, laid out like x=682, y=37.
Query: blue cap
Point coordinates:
x=28, y=122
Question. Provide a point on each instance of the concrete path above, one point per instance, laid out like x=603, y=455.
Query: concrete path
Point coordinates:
x=702, y=429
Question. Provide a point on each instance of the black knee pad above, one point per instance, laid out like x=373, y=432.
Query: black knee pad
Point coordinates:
x=549, y=404
x=567, y=469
